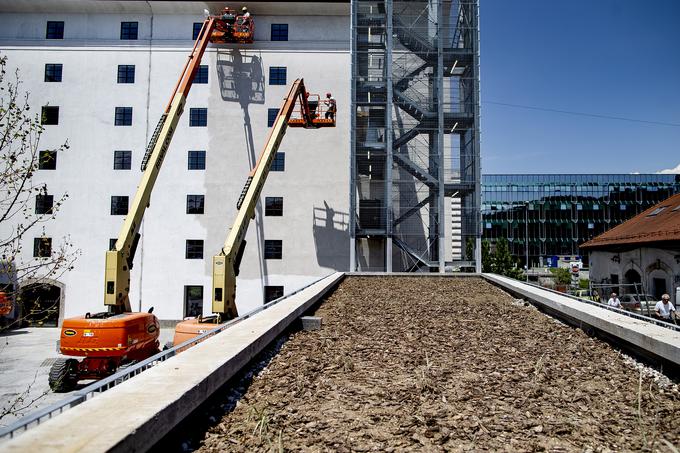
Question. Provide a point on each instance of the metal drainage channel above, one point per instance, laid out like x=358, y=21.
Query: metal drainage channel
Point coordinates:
x=41, y=415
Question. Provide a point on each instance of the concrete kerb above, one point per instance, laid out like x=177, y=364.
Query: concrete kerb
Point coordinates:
x=136, y=414
x=648, y=340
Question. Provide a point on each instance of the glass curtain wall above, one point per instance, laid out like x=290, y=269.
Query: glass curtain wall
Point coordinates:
x=551, y=215
x=415, y=141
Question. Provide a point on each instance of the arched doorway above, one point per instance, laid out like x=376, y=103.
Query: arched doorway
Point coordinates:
x=632, y=276
x=40, y=304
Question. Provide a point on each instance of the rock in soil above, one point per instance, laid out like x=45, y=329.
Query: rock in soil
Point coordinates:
x=446, y=364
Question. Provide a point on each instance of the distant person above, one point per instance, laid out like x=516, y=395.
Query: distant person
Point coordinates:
x=596, y=296
x=614, y=302
x=664, y=309
x=245, y=12
x=332, y=106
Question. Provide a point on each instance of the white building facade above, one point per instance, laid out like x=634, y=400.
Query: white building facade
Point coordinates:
x=100, y=73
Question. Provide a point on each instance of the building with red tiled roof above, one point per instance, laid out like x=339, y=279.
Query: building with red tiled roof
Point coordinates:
x=644, y=250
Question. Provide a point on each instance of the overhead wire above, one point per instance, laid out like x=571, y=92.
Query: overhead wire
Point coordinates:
x=592, y=115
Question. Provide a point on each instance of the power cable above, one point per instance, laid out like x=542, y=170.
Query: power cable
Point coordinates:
x=592, y=115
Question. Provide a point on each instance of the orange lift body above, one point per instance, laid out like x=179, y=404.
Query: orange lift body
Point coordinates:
x=109, y=339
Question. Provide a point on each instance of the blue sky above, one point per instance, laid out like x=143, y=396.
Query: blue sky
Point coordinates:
x=606, y=57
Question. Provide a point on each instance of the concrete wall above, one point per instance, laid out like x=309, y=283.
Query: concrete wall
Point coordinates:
x=313, y=185
x=648, y=263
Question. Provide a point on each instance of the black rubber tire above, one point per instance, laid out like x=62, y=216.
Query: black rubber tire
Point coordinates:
x=63, y=377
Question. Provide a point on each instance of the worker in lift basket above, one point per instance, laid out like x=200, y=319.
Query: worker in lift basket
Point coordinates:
x=332, y=106
x=245, y=12
x=664, y=309
x=614, y=302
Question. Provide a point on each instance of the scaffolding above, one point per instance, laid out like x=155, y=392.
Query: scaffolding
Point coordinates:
x=415, y=134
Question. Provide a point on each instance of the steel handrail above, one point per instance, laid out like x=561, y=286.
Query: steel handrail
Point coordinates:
x=37, y=417
x=607, y=307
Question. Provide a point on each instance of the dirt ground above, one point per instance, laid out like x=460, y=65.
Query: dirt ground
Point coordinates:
x=434, y=364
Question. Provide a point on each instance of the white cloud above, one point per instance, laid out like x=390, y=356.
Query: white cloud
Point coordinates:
x=671, y=171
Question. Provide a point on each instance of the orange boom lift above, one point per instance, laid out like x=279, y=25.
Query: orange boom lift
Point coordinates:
x=117, y=336
x=295, y=112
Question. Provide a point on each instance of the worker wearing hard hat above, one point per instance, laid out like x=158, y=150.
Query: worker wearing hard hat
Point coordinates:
x=245, y=12
x=332, y=106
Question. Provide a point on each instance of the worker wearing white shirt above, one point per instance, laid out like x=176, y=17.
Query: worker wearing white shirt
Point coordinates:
x=664, y=308
x=614, y=302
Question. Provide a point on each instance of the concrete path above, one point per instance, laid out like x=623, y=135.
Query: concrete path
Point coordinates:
x=26, y=356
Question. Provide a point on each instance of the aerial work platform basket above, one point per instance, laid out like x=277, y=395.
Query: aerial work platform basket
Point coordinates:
x=321, y=112
x=230, y=28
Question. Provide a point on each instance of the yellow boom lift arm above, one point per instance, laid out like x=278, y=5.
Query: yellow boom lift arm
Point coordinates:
x=119, y=260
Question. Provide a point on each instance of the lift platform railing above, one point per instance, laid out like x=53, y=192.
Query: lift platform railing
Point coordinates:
x=41, y=415
x=320, y=110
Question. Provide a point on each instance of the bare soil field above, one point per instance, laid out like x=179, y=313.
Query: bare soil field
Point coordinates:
x=445, y=364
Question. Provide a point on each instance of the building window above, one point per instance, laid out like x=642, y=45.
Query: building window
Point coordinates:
x=193, y=301
x=196, y=160
x=42, y=247
x=277, y=75
x=55, y=30
x=53, y=72
x=122, y=160
x=279, y=32
x=50, y=115
x=195, y=204
x=197, y=30
x=126, y=73
x=273, y=249
x=112, y=244
x=202, y=74
x=273, y=206
x=271, y=116
x=47, y=160
x=279, y=162
x=43, y=204
x=123, y=116
x=272, y=293
x=194, y=249
x=198, y=117
x=119, y=205
x=128, y=30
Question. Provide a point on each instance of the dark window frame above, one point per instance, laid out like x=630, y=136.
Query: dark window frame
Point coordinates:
x=193, y=249
x=196, y=30
x=278, y=75
x=49, y=115
x=272, y=292
x=195, y=204
x=123, y=116
x=129, y=31
x=202, y=75
x=273, y=249
x=44, y=204
x=126, y=73
x=198, y=117
x=279, y=162
x=195, y=158
x=271, y=116
x=279, y=32
x=188, y=311
x=273, y=206
x=47, y=160
x=122, y=160
x=42, y=247
x=120, y=204
x=112, y=244
x=53, y=72
x=54, y=29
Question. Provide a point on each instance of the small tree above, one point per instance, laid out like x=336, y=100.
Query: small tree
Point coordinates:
x=487, y=259
x=503, y=262
x=562, y=276
x=20, y=133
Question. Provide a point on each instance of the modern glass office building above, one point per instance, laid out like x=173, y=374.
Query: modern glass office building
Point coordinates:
x=544, y=216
